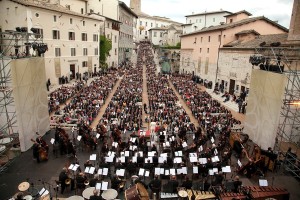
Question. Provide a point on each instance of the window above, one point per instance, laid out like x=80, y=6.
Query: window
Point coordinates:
x=71, y=21
x=84, y=64
x=56, y=34
x=231, y=20
x=208, y=38
x=57, y=52
x=54, y=18
x=83, y=36
x=141, y=23
x=140, y=32
x=71, y=36
x=146, y=32
x=85, y=51
x=107, y=25
x=116, y=51
x=95, y=37
x=146, y=24
x=196, y=20
x=81, y=10
x=156, y=25
x=199, y=20
x=151, y=25
x=201, y=39
x=161, y=34
x=73, y=51
x=38, y=31
x=200, y=50
x=155, y=34
x=116, y=40
x=83, y=23
x=214, y=19
x=219, y=38
x=207, y=50
x=96, y=51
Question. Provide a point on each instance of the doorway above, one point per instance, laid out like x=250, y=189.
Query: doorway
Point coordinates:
x=72, y=71
x=231, y=86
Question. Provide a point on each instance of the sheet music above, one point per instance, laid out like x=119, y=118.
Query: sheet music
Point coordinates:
x=226, y=169
x=42, y=191
x=147, y=173
x=212, y=140
x=215, y=159
x=162, y=170
x=105, y=171
x=127, y=153
x=98, y=186
x=120, y=172
x=99, y=171
x=92, y=170
x=98, y=135
x=184, y=145
x=150, y=159
x=215, y=170
x=173, y=171
x=210, y=172
x=141, y=172
x=151, y=153
x=104, y=185
x=192, y=154
x=79, y=137
x=184, y=170
x=71, y=166
x=216, y=151
x=134, y=159
x=179, y=171
x=87, y=169
x=263, y=182
x=93, y=157
x=195, y=170
x=164, y=155
x=200, y=148
x=193, y=159
x=203, y=161
x=109, y=159
x=157, y=171
x=122, y=159
x=239, y=163
x=167, y=172
x=177, y=160
x=162, y=159
x=52, y=140
x=178, y=153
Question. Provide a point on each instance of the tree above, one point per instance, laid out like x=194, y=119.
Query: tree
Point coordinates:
x=105, y=47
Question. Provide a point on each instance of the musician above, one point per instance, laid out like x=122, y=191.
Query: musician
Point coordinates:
x=139, y=180
x=131, y=168
x=63, y=176
x=43, y=143
x=94, y=180
x=218, y=179
x=96, y=196
x=35, y=151
x=80, y=179
x=187, y=183
x=87, y=164
x=155, y=186
x=20, y=196
x=115, y=182
x=250, y=169
x=237, y=184
x=173, y=184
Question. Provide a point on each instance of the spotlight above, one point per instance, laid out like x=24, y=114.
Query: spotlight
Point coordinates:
x=24, y=29
x=34, y=30
x=18, y=29
x=275, y=44
x=34, y=46
x=256, y=60
x=262, y=44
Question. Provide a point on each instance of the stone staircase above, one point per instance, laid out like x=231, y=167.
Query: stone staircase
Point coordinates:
x=229, y=104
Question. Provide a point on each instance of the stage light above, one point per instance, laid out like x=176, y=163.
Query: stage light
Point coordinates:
x=262, y=44
x=21, y=29
x=275, y=44
x=292, y=102
x=18, y=29
x=34, y=30
x=256, y=60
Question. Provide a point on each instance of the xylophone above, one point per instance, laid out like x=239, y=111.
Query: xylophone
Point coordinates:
x=201, y=194
x=261, y=193
x=231, y=195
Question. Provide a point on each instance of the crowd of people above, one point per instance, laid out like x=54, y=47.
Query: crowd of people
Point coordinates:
x=178, y=155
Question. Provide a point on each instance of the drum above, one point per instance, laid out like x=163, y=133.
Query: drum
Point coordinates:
x=132, y=193
x=109, y=194
x=27, y=197
x=6, y=140
x=46, y=197
x=75, y=197
x=183, y=194
x=88, y=192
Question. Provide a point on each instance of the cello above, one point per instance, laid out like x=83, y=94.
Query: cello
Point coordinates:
x=42, y=152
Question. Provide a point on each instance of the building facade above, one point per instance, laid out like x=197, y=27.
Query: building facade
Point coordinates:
x=72, y=38
x=200, y=49
x=128, y=22
x=195, y=22
x=165, y=36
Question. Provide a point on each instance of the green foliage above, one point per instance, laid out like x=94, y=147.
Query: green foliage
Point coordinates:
x=105, y=47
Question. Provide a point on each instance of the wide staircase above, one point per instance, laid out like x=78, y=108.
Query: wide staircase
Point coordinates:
x=229, y=104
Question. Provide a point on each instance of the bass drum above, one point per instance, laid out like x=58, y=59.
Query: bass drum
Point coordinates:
x=136, y=192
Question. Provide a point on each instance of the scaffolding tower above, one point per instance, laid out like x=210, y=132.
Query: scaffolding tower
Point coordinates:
x=286, y=61
x=14, y=45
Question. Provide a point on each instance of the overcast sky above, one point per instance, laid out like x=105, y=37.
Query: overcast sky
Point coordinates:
x=276, y=10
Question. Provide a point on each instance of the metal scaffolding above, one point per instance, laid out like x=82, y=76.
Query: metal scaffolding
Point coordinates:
x=286, y=61
x=13, y=45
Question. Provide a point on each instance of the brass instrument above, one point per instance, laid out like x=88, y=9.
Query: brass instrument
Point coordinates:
x=86, y=182
x=68, y=181
x=122, y=185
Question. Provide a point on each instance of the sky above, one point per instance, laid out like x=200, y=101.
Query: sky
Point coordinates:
x=276, y=10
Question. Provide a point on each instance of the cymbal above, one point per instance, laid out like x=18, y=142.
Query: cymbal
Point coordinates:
x=23, y=186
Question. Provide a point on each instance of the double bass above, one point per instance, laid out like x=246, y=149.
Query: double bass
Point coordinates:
x=41, y=153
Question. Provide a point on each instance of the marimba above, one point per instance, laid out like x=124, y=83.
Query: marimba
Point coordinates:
x=261, y=193
x=201, y=194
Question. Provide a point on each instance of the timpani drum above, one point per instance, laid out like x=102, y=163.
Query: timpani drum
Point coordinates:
x=6, y=141
x=88, y=192
x=182, y=194
x=136, y=192
x=75, y=197
x=109, y=194
x=27, y=197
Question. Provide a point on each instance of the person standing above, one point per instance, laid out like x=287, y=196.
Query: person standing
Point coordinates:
x=155, y=186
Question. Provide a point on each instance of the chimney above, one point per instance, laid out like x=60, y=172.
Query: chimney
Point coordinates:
x=294, y=32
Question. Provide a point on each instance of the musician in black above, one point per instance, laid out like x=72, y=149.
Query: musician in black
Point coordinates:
x=187, y=183
x=173, y=184
x=115, y=182
x=63, y=176
x=94, y=180
x=96, y=196
x=237, y=184
x=155, y=186
x=80, y=179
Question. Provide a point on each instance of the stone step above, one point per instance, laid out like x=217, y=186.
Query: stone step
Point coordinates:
x=229, y=104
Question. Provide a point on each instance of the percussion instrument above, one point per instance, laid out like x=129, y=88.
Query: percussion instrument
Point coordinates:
x=169, y=196
x=45, y=197
x=75, y=197
x=2, y=148
x=88, y=192
x=182, y=194
x=27, y=197
x=262, y=193
x=201, y=194
x=109, y=194
x=136, y=192
x=23, y=186
x=68, y=181
x=231, y=195
x=6, y=140
x=86, y=182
